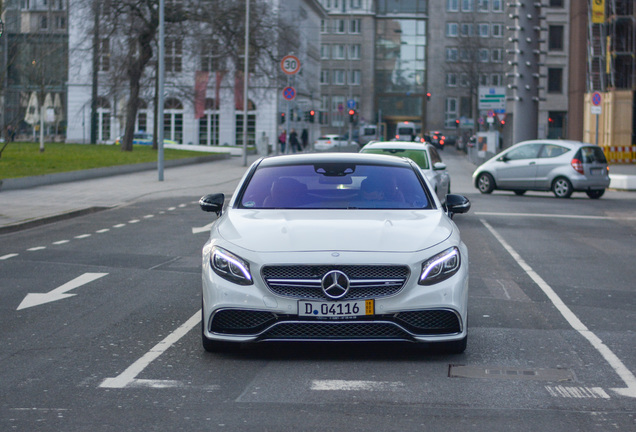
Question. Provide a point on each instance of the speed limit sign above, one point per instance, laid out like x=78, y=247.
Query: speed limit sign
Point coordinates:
x=290, y=64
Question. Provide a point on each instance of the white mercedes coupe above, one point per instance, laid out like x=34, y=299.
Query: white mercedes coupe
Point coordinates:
x=334, y=247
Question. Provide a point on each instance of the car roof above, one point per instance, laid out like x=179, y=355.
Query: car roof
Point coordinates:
x=566, y=143
x=312, y=158
x=407, y=145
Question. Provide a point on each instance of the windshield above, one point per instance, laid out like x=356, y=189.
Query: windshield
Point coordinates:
x=335, y=186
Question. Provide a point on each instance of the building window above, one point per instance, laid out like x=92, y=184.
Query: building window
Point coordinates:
x=324, y=26
x=555, y=80
x=452, y=5
x=324, y=51
x=44, y=23
x=496, y=55
x=467, y=30
x=339, y=77
x=354, y=26
x=208, y=62
x=174, y=54
x=496, y=80
x=463, y=80
x=497, y=5
x=482, y=5
x=251, y=129
x=451, y=54
x=468, y=5
x=354, y=52
x=338, y=52
x=104, y=55
x=450, y=112
x=452, y=29
x=484, y=29
x=497, y=30
x=339, y=26
x=324, y=76
x=60, y=22
x=354, y=77
x=451, y=80
x=556, y=4
x=555, y=38
x=355, y=4
x=483, y=79
x=483, y=55
x=337, y=108
x=173, y=120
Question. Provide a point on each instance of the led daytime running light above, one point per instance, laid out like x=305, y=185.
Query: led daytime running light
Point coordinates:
x=230, y=265
x=435, y=269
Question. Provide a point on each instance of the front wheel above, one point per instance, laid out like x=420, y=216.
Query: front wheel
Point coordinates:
x=485, y=183
x=596, y=193
x=562, y=187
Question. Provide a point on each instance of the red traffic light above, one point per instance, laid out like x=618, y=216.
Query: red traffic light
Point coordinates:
x=428, y=95
x=352, y=112
x=312, y=112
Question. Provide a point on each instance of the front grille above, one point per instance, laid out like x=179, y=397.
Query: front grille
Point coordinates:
x=430, y=321
x=400, y=326
x=327, y=330
x=366, y=281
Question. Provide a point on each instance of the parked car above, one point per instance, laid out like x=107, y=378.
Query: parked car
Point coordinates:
x=424, y=155
x=334, y=247
x=143, y=138
x=335, y=143
x=560, y=166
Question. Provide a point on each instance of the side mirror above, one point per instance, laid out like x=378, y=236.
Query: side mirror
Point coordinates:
x=504, y=158
x=439, y=166
x=457, y=204
x=212, y=203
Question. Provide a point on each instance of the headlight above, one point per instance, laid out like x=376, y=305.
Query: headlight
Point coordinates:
x=230, y=267
x=440, y=267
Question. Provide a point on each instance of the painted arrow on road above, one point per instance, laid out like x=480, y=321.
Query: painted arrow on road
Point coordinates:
x=197, y=230
x=59, y=293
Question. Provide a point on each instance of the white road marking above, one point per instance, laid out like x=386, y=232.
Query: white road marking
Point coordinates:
x=119, y=226
x=128, y=377
x=37, y=248
x=182, y=205
x=61, y=242
x=171, y=208
x=355, y=385
x=577, y=392
x=134, y=221
x=83, y=236
x=59, y=293
x=6, y=257
x=553, y=216
x=149, y=216
x=101, y=231
x=619, y=367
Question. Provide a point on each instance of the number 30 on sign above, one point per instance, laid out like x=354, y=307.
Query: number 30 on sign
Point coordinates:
x=290, y=64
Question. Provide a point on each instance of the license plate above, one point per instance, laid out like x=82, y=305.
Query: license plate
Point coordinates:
x=596, y=171
x=344, y=309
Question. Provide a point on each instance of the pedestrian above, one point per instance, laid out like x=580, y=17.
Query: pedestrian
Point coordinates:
x=10, y=133
x=282, y=140
x=293, y=141
x=304, y=138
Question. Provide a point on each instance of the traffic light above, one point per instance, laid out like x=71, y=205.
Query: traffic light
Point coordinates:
x=502, y=123
x=457, y=123
x=428, y=96
x=352, y=114
x=282, y=118
x=312, y=115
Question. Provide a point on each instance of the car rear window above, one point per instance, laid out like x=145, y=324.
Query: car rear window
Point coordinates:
x=592, y=154
x=334, y=186
x=417, y=156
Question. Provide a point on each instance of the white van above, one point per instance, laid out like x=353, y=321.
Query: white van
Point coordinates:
x=406, y=131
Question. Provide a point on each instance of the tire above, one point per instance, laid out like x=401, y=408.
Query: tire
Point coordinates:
x=562, y=187
x=519, y=192
x=596, y=193
x=485, y=183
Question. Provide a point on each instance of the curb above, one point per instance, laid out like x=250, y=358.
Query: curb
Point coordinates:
x=71, y=176
x=45, y=220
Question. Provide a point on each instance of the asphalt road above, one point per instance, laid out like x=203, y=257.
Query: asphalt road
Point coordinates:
x=114, y=342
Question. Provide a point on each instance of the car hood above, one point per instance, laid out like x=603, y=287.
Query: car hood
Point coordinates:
x=345, y=230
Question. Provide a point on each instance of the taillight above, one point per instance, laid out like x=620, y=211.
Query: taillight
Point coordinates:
x=577, y=165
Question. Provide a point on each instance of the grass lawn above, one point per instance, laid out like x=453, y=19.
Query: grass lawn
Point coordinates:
x=20, y=159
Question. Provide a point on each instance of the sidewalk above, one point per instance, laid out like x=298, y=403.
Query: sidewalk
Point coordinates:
x=24, y=208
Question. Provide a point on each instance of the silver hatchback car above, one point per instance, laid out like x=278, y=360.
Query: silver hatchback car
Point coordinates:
x=559, y=166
